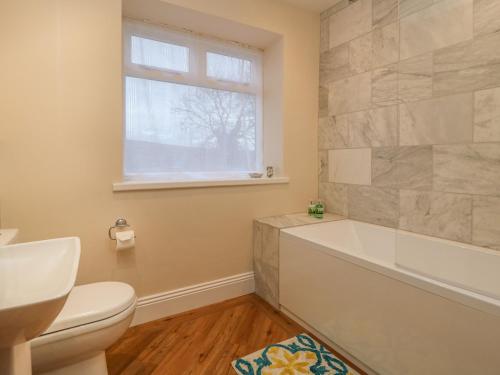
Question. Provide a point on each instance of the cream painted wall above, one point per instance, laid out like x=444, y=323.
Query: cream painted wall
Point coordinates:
x=60, y=145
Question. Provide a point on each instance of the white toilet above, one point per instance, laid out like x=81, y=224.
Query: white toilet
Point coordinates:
x=93, y=318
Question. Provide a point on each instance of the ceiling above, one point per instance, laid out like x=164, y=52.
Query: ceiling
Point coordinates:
x=313, y=5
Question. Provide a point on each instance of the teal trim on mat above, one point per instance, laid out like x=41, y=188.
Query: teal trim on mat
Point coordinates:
x=298, y=355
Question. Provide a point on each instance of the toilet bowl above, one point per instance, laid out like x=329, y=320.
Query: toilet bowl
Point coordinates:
x=93, y=318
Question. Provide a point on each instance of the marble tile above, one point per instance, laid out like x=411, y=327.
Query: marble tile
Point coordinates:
x=471, y=79
x=270, y=265
x=486, y=16
x=334, y=196
x=374, y=128
x=468, y=168
x=333, y=132
x=341, y=132
x=298, y=219
x=474, y=53
x=373, y=205
x=360, y=54
x=487, y=115
x=334, y=64
x=266, y=279
x=324, y=44
x=270, y=245
x=257, y=240
x=384, y=167
x=265, y=259
x=350, y=166
x=415, y=78
x=385, y=86
x=335, y=6
x=437, y=121
x=323, y=101
x=407, y=167
x=468, y=66
x=346, y=60
x=350, y=22
x=436, y=214
x=486, y=228
x=385, y=45
x=443, y=24
x=384, y=12
x=415, y=167
x=407, y=7
x=350, y=94
x=325, y=132
x=323, y=166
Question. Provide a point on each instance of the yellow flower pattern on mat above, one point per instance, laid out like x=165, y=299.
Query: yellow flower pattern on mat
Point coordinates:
x=285, y=363
x=299, y=355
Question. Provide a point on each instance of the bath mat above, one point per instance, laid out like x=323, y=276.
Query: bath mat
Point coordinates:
x=298, y=355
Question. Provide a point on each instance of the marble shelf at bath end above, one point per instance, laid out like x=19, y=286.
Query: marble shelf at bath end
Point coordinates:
x=294, y=220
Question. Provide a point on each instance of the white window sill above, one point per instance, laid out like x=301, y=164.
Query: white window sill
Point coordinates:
x=162, y=185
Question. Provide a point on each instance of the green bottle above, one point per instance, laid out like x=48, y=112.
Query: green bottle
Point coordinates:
x=319, y=210
x=311, y=208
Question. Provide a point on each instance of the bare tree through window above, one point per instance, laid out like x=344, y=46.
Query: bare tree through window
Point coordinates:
x=223, y=121
x=173, y=128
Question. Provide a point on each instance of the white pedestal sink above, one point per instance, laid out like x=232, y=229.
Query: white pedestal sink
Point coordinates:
x=35, y=280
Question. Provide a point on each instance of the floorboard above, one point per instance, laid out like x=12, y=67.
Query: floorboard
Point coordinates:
x=201, y=342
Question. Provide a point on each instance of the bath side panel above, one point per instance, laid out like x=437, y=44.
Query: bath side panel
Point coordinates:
x=391, y=326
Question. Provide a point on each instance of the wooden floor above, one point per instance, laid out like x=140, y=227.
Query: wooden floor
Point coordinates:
x=202, y=341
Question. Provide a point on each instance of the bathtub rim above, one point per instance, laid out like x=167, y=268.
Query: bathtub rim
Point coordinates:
x=432, y=285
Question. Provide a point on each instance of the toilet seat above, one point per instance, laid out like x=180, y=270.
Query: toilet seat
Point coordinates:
x=92, y=303
x=98, y=304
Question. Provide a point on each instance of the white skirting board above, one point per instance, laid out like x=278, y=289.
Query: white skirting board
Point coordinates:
x=165, y=304
x=327, y=341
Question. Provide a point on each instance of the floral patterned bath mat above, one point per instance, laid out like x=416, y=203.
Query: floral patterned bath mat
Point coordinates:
x=298, y=355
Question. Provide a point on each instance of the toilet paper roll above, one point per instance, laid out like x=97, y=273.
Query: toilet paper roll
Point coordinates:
x=125, y=240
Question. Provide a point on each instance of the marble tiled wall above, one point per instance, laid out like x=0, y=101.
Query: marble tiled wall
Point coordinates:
x=409, y=128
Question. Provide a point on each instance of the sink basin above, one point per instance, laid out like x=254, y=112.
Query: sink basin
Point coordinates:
x=35, y=280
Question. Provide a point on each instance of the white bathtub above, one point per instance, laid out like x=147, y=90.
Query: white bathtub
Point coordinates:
x=399, y=302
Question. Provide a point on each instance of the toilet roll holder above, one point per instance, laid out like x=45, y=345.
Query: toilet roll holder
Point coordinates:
x=119, y=224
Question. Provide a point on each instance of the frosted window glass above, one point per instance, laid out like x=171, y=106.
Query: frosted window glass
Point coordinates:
x=227, y=68
x=159, y=54
x=179, y=128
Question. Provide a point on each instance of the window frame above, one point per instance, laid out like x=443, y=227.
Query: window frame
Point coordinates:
x=198, y=46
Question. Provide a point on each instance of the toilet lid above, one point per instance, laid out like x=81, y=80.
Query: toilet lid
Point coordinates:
x=93, y=302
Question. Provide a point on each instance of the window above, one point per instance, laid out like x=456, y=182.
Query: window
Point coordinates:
x=193, y=106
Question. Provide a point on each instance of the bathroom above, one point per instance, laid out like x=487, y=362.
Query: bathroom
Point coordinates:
x=141, y=234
